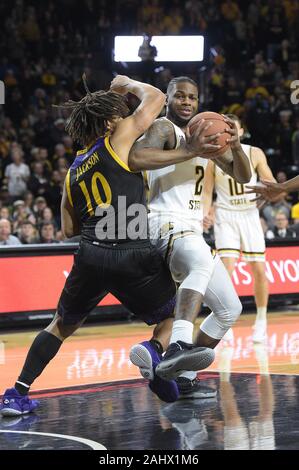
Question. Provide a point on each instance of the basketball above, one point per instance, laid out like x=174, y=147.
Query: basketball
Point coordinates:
x=218, y=125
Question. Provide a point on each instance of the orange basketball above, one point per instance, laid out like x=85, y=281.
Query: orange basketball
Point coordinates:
x=218, y=125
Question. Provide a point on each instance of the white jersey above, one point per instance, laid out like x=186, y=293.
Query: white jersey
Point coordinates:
x=176, y=191
x=230, y=194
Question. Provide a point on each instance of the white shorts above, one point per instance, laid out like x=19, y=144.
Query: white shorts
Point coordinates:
x=184, y=249
x=194, y=267
x=239, y=231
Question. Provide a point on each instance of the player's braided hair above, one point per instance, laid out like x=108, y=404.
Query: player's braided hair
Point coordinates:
x=89, y=116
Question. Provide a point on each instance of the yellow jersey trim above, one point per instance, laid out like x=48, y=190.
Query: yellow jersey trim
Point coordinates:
x=68, y=188
x=228, y=250
x=80, y=152
x=115, y=156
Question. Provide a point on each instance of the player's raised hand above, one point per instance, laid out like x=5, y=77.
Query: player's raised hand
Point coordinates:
x=232, y=129
x=119, y=84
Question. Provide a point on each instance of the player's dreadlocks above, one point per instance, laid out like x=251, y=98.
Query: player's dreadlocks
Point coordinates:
x=89, y=116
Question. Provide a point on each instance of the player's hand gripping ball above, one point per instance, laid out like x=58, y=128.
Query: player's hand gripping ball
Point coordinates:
x=208, y=131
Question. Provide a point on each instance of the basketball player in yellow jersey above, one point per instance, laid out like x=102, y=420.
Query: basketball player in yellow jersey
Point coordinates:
x=237, y=224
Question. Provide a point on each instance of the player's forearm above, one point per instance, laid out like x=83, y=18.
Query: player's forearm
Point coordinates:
x=207, y=200
x=241, y=165
x=153, y=158
x=144, y=91
x=291, y=185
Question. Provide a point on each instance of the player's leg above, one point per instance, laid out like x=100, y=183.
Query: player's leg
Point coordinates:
x=149, y=292
x=230, y=262
x=228, y=244
x=151, y=302
x=80, y=295
x=43, y=349
x=226, y=307
x=162, y=333
x=253, y=248
x=261, y=296
x=191, y=264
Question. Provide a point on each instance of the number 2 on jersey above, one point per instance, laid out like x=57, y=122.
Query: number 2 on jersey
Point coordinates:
x=97, y=200
x=200, y=171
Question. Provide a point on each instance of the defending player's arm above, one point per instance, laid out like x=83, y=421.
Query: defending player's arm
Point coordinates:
x=130, y=128
x=270, y=190
x=69, y=223
x=264, y=172
x=156, y=149
x=235, y=161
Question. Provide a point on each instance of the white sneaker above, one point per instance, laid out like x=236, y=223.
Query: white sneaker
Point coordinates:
x=259, y=332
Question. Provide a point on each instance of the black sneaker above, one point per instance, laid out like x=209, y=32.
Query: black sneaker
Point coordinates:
x=193, y=389
x=181, y=357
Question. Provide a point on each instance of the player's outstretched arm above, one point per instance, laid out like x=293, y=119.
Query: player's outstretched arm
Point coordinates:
x=269, y=191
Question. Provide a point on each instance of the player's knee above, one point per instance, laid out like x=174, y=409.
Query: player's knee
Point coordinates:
x=237, y=308
x=233, y=313
x=58, y=329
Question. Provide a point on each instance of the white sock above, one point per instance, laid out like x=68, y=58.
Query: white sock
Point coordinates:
x=182, y=330
x=261, y=315
x=191, y=375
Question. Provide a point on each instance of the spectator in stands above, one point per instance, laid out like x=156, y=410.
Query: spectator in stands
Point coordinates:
x=230, y=10
x=17, y=174
x=20, y=214
x=281, y=228
x=39, y=205
x=27, y=233
x=38, y=182
x=4, y=213
x=4, y=195
x=47, y=233
x=5, y=234
x=270, y=210
x=28, y=199
x=48, y=217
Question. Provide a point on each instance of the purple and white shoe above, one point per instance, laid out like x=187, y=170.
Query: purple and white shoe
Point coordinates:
x=144, y=356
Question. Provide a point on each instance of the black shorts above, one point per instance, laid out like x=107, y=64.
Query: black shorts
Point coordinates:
x=134, y=272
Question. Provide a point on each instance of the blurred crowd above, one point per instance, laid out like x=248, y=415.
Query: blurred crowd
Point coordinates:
x=252, y=59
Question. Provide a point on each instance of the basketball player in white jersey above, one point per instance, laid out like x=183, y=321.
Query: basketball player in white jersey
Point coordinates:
x=238, y=227
x=175, y=222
